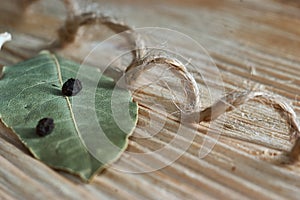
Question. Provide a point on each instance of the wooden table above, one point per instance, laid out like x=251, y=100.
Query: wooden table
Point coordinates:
x=253, y=43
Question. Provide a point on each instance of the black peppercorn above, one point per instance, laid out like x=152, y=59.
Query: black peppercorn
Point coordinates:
x=71, y=87
x=45, y=126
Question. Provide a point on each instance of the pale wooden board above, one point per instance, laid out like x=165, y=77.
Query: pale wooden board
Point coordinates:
x=245, y=164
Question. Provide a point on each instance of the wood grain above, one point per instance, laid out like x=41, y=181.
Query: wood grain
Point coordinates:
x=253, y=43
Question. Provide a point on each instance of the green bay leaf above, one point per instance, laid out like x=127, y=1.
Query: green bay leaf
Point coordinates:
x=31, y=90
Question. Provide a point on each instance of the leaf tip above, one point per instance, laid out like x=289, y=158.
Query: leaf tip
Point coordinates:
x=45, y=52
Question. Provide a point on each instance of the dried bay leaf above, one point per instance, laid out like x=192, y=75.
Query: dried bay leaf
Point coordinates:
x=31, y=90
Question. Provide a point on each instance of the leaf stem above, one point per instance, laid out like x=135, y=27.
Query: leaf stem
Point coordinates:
x=67, y=99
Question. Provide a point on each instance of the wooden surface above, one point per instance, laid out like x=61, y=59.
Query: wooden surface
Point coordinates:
x=253, y=43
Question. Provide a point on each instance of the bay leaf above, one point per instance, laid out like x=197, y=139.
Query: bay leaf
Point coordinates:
x=31, y=90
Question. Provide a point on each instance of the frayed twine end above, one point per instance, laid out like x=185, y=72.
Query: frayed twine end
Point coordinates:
x=4, y=37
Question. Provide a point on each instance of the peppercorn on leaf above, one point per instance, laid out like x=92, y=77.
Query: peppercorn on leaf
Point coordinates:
x=31, y=90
